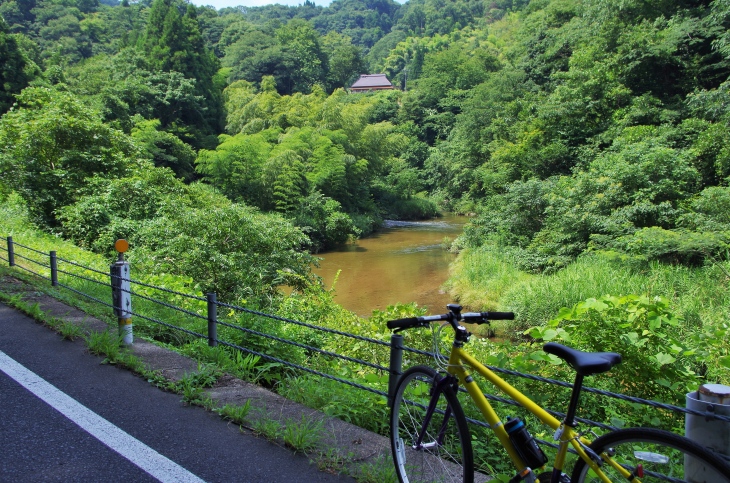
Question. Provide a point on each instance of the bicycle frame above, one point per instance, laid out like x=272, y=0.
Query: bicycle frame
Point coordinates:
x=460, y=359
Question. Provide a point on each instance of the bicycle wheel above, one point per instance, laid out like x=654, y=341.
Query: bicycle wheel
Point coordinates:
x=663, y=457
x=445, y=453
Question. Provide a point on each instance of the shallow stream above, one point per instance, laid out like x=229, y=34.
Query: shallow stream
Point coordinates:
x=405, y=262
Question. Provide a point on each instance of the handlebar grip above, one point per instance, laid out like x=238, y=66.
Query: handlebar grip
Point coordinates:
x=499, y=315
x=406, y=323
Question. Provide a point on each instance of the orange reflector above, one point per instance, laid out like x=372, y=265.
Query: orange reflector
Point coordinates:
x=121, y=245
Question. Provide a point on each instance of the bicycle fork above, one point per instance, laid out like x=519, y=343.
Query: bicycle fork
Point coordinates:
x=438, y=387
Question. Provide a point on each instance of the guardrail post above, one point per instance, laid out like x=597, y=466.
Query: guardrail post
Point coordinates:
x=396, y=365
x=212, y=320
x=54, y=269
x=122, y=293
x=706, y=430
x=11, y=252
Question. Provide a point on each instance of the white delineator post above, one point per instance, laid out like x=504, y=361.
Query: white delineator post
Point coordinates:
x=121, y=292
x=705, y=430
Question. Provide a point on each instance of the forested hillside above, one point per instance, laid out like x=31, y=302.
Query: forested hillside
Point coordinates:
x=565, y=126
x=586, y=138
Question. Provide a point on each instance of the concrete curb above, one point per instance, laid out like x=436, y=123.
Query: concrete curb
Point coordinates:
x=351, y=445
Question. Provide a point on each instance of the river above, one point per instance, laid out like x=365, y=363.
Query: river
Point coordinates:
x=404, y=262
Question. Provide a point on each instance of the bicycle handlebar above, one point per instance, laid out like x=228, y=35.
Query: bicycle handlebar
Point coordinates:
x=476, y=317
x=452, y=317
x=406, y=323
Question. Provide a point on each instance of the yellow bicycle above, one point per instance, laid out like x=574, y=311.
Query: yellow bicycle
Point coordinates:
x=431, y=441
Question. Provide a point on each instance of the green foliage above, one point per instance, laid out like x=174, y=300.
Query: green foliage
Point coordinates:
x=304, y=435
x=111, y=209
x=232, y=250
x=15, y=73
x=673, y=246
x=342, y=402
x=659, y=358
x=589, y=139
x=318, y=159
x=237, y=414
x=271, y=429
x=105, y=344
x=165, y=150
x=380, y=470
x=52, y=145
x=236, y=166
x=322, y=219
x=70, y=331
x=192, y=386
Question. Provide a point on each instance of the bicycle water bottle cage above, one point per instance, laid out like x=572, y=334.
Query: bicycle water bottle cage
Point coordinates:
x=585, y=363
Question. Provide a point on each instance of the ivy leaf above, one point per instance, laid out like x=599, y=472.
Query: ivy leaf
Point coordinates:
x=632, y=337
x=596, y=305
x=725, y=361
x=549, y=334
x=663, y=358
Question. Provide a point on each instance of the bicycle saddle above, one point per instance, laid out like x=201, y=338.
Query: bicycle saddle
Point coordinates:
x=585, y=363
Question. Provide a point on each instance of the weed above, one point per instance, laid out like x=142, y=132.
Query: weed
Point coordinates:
x=332, y=461
x=104, y=344
x=244, y=366
x=191, y=393
x=380, y=470
x=303, y=436
x=234, y=413
x=70, y=331
x=364, y=410
x=155, y=378
x=191, y=386
x=268, y=428
x=35, y=311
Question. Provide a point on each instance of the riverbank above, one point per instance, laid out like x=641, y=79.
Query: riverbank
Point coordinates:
x=483, y=279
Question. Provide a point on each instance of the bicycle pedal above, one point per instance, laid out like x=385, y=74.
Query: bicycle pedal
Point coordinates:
x=547, y=476
x=524, y=476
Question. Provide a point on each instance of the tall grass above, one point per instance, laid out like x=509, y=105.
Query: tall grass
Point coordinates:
x=484, y=279
x=480, y=278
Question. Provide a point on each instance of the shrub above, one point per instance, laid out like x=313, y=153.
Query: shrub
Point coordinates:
x=659, y=361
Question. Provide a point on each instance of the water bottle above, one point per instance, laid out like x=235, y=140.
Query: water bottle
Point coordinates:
x=524, y=443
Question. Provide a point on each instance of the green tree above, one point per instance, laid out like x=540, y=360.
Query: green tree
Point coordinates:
x=164, y=149
x=345, y=61
x=109, y=209
x=235, y=167
x=15, y=72
x=322, y=219
x=173, y=43
x=52, y=145
x=306, y=62
x=233, y=250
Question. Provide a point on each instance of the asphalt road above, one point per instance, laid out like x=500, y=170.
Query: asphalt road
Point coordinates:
x=51, y=389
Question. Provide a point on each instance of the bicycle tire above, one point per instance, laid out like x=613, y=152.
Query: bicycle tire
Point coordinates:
x=662, y=455
x=450, y=462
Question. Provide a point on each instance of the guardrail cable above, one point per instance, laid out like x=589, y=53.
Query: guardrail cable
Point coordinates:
x=303, y=368
x=29, y=248
x=304, y=346
x=304, y=324
x=631, y=399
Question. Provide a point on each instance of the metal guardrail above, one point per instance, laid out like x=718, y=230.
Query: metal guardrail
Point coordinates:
x=50, y=271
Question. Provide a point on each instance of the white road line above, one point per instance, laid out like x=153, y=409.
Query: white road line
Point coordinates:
x=158, y=466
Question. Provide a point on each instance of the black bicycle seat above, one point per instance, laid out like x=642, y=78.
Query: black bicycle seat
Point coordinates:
x=585, y=363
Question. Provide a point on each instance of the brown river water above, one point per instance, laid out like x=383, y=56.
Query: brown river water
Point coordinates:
x=405, y=262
